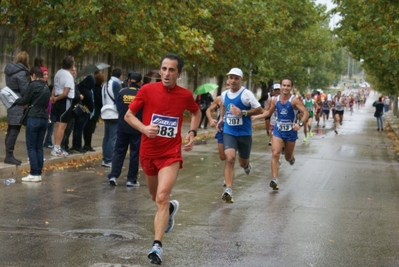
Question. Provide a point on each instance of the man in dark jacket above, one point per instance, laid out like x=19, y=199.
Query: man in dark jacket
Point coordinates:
x=17, y=79
x=126, y=135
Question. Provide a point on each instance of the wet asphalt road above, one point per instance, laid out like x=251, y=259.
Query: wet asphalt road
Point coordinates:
x=337, y=206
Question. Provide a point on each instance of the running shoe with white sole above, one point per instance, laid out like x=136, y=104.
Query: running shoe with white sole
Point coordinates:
x=57, y=152
x=273, y=184
x=106, y=164
x=171, y=221
x=292, y=161
x=247, y=170
x=155, y=254
x=112, y=181
x=132, y=184
x=228, y=195
x=32, y=178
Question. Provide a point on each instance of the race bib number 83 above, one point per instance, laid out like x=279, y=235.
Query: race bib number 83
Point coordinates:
x=168, y=126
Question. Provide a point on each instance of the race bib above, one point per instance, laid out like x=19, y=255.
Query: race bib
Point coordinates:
x=233, y=120
x=285, y=126
x=168, y=126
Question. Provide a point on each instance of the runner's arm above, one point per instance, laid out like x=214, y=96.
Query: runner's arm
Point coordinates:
x=214, y=105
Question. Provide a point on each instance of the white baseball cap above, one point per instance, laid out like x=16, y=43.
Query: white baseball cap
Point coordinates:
x=276, y=86
x=235, y=71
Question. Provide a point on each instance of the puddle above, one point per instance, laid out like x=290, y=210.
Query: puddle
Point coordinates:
x=103, y=234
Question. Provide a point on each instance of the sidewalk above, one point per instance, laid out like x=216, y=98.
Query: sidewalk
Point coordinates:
x=8, y=171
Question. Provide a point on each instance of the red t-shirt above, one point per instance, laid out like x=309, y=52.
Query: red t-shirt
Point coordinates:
x=165, y=108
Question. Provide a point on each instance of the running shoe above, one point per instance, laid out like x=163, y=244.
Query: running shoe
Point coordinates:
x=247, y=170
x=336, y=132
x=270, y=143
x=273, y=184
x=155, y=254
x=106, y=164
x=112, y=181
x=171, y=221
x=305, y=139
x=228, y=195
x=57, y=152
x=292, y=161
x=310, y=134
x=132, y=184
x=224, y=183
x=32, y=178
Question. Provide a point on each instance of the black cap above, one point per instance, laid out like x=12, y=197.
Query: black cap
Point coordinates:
x=135, y=76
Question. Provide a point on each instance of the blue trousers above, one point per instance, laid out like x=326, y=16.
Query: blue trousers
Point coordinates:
x=110, y=128
x=35, y=130
x=123, y=141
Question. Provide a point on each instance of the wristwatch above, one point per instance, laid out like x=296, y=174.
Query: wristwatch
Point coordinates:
x=300, y=123
x=194, y=131
x=244, y=113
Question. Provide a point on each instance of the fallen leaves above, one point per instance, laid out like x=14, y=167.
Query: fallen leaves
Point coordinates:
x=67, y=164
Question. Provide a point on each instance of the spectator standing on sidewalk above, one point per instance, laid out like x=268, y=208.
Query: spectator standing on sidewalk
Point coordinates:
x=91, y=124
x=204, y=101
x=109, y=93
x=126, y=136
x=163, y=104
x=238, y=105
x=62, y=95
x=48, y=140
x=17, y=79
x=37, y=96
x=85, y=88
x=379, y=112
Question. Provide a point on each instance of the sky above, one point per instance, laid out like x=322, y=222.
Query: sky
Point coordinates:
x=329, y=5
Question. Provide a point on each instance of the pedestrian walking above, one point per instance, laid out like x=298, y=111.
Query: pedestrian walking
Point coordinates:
x=36, y=99
x=379, y=112
x=126, y=136
x=285, y=131
x=61, y=98
x=17, y=79
x=163, y=104
x=238, y=104
x=109, y=114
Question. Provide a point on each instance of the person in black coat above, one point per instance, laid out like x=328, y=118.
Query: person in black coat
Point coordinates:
x=37, y=98
x=82, y=112
x=90, y=126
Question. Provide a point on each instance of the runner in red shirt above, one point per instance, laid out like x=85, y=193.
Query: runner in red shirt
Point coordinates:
x=163, y=104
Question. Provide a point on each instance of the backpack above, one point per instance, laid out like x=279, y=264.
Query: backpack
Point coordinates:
x=8, y=97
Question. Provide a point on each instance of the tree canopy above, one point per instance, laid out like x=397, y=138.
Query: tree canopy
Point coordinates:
x=269, y=38
x=369, y=30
